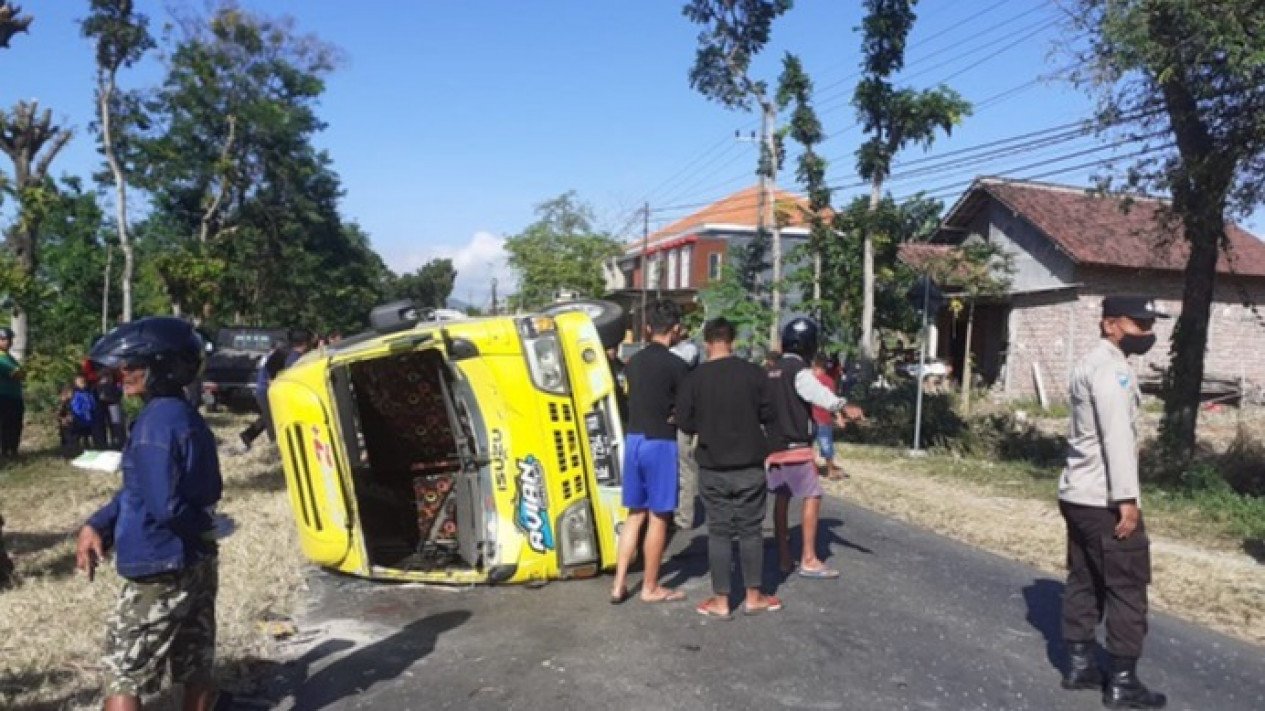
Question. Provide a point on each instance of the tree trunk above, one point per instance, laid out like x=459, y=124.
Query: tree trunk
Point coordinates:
x=105, y=290
x=867, y=299
x=966, y=361
x=120, y=189
x=1184, y=379
x=817, y=276
x=21, y=329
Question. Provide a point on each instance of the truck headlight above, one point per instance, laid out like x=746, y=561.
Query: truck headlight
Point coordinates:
x=544, y=355
x=577, y=544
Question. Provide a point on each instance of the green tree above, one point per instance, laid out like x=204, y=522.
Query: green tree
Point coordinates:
x=12, y=21
x=734, y=32
x=429, y=286
x=842, y=265
x=893, y=118
x=729, y=297
x=70, y=274
x=245, y=207
x=560, y=250
x=1195, y=71
x=31, y=141
x=794, y=86
x=122, y=37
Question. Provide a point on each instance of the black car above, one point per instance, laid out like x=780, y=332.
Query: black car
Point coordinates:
x=233, y=364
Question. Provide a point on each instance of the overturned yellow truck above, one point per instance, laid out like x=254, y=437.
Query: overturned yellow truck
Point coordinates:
x=480, y=450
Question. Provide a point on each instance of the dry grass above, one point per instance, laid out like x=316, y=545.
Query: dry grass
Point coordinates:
x=52, y=625
x=1210, y=582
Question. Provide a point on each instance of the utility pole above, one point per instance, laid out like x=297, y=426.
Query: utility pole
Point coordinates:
x=768, y=176
x=645, y=265
x=493, y=296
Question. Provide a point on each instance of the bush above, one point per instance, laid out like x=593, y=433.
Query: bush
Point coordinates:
x=1243, y=464
x=1240, y=469
x=995, y=435
x=890, y=417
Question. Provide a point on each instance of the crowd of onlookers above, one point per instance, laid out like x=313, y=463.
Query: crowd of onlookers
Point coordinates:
x=732, y=434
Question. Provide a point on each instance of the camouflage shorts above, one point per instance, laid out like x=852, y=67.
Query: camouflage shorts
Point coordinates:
x=169, y=617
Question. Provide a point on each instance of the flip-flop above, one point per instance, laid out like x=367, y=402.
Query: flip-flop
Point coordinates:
x=773, y=605
x=706, y=611
x=819, y=573
x=620, y=597
x=672, y=595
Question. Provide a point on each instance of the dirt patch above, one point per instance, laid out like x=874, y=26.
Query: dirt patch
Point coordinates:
x=52, y=626
x=1221, y=589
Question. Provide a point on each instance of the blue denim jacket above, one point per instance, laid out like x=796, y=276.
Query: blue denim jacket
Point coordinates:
x=160, y=521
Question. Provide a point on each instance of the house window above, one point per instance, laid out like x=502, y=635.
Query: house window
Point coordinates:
x=686, y=253
x=672, y=264
x=656, y=271
x=713, y=266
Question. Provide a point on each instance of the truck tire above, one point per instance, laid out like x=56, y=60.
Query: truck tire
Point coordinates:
x=607, y=316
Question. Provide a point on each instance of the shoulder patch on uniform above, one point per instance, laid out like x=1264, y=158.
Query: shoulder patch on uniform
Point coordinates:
x=1122, y=377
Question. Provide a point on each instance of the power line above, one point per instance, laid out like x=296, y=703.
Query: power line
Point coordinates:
x=951, y=189
x=826, y=104
x=817, y=94
x=1050, y=137
x=675, y=176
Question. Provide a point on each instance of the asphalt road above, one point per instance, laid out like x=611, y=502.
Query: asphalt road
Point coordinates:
x=917, y=621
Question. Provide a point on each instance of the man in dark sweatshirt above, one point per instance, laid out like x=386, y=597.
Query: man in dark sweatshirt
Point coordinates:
x=159, y=524
x=725, y=401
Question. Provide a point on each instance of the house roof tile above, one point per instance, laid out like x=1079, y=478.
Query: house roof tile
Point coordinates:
x=1105, y=231
x=740, y=208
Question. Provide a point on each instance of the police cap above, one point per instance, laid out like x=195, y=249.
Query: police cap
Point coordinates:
x=1135, y=307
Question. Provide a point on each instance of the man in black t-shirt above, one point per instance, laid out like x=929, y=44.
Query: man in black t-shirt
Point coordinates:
x=650, y=453
x=725, y=401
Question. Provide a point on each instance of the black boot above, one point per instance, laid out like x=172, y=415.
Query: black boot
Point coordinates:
x=1124, y=689
x=1082, y=672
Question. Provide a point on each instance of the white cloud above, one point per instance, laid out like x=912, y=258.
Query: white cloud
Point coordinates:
x=477, y=262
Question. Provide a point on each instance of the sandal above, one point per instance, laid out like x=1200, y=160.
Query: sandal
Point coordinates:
x=620, y=597
x=671, y=595
x=772, y=605
x=822, y=573
x=706, y=610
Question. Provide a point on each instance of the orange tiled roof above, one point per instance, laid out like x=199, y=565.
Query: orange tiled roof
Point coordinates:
x=740, y=208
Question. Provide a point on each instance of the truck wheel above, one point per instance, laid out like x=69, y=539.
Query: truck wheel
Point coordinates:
x=607, y=316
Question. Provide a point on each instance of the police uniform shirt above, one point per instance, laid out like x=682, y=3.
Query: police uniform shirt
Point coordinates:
x=1102, y=457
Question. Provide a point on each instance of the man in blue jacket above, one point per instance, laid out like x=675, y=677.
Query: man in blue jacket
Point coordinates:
x=160, y=523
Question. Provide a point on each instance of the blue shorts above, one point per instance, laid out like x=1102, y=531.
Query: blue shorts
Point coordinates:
x=826, y=441
x=650, y=480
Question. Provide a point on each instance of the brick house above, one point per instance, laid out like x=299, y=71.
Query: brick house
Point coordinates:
x=1071, y=248
x=690, y=253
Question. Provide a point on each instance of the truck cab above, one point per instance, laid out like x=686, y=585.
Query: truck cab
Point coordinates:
x=477, y=450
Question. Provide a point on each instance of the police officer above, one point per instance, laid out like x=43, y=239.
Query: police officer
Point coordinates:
x=1108, y=553
x=160, y=523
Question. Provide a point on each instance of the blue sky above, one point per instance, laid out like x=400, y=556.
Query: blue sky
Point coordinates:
x=451, y=120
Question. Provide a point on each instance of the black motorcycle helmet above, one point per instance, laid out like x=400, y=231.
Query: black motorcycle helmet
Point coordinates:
x=799, y=336
x=168, y=348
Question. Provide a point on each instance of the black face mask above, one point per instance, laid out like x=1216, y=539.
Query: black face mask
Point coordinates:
x=1136, y=345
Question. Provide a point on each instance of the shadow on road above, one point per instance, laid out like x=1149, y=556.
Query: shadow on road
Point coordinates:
x=377, y=662
x=828, y=536
x=1255, y=547
x=1045, y=611
x=688, y=553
